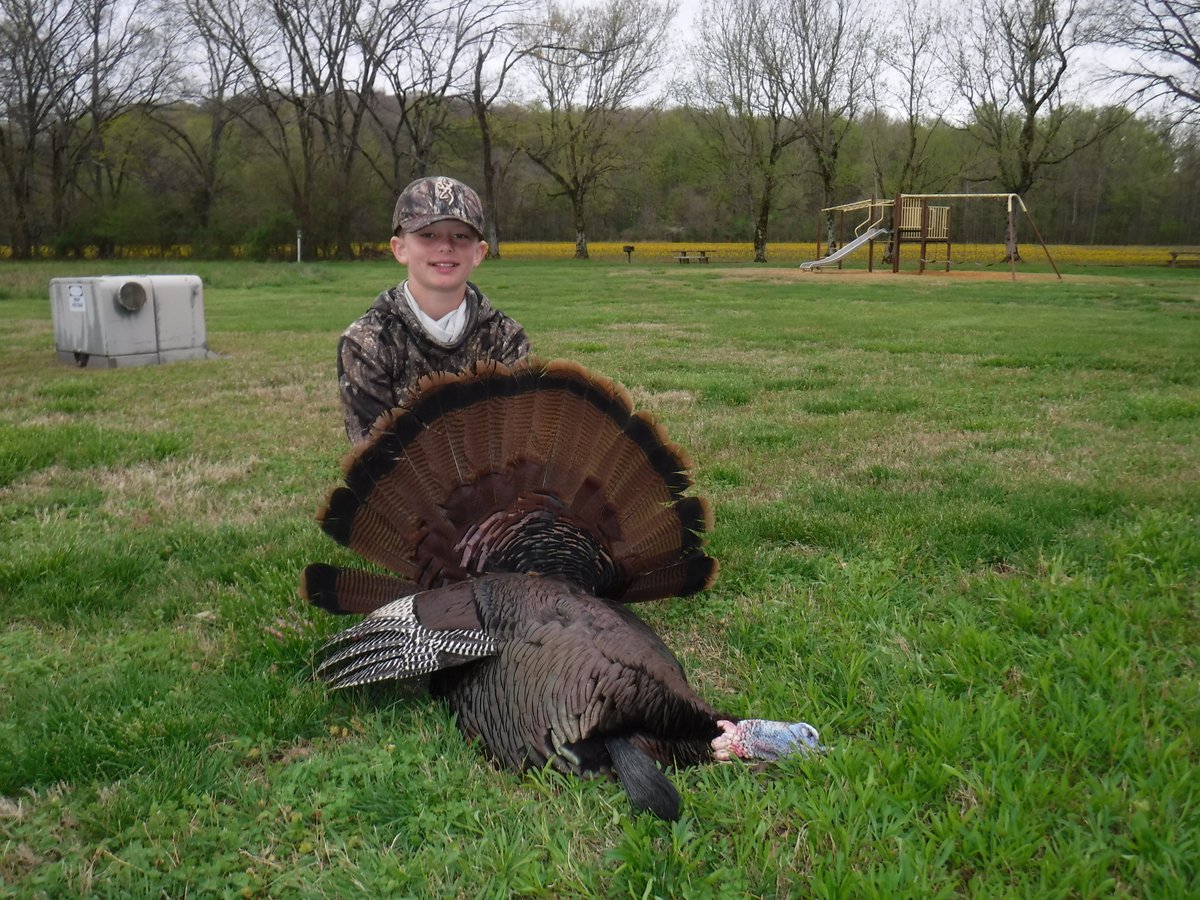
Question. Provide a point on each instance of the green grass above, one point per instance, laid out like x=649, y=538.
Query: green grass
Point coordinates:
x=957, y=522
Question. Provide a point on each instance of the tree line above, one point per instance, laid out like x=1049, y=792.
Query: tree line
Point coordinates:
x=215, y=123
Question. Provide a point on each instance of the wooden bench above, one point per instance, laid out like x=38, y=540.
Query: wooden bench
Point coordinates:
x=690, y=256
x=1184, y=258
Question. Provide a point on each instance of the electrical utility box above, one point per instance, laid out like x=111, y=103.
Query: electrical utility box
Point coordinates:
x=110, y=321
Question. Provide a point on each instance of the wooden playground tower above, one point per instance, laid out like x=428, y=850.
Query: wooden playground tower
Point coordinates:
x=913, y=219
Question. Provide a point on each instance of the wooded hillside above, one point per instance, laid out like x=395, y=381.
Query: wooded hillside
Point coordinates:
x=221, y=123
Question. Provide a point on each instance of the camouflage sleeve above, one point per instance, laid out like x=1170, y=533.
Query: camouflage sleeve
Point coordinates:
x=365, y=386
x=513, y=343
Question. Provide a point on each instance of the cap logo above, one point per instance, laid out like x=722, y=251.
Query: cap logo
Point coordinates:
x=434, y=199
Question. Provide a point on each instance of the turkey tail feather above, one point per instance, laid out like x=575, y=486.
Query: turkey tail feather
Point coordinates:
x=343, y=591
x=686, y=577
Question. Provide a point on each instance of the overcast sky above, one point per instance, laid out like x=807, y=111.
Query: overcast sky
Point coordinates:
x=1088, y=73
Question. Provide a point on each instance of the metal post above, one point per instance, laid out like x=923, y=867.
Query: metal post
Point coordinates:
x=1033, y=225
x=897, y=216
x=871, y=243
x=299, y=237
x=1010, y=241
x=841, y=233
x=948, y=238
x=924, y=234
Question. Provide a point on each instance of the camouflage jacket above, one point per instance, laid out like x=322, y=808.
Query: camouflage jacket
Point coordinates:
x=383, y=354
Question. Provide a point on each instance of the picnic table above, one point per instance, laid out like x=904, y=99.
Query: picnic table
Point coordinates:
x=690, y=256
x=1184, y=258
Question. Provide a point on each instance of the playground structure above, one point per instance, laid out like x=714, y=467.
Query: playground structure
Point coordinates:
x=913, y=219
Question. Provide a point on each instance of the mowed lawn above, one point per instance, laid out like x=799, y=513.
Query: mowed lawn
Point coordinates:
x=957, y=521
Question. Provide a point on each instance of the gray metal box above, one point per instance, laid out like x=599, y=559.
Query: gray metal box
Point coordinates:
x=128, y=320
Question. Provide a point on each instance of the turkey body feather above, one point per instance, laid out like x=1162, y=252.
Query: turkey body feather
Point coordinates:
x=520, y=510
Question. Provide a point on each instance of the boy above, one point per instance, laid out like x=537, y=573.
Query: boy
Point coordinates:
x=436, y=321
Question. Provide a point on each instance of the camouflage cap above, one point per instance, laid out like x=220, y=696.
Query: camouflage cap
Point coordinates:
x=434, y=199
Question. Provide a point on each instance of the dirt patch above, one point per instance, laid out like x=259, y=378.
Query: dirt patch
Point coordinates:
x=656, y=400
x=795, y=274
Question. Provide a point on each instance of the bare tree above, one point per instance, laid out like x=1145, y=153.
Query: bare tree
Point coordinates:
x=1012, y=66
x=423, y=64
x=593, y=65
x=128, y=64
x=828, y=63
x=444, y=56
x=497, y=52
x=277, y=86
x=70, y=69
x=912, y=84
x=213, y=80
x=1164, y=37
x=35, y=43
x=772, y=75
x=314, y=65
x=743, y=106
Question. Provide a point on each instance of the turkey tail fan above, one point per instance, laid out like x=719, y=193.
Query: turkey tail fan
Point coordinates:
x=540, y=469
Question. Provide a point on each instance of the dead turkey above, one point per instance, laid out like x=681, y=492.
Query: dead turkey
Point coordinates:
x=520, y=509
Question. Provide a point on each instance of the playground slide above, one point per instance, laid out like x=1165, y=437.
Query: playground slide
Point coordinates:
x=845, y=250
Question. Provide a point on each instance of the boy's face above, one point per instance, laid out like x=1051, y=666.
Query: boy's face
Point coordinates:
x=440, y=257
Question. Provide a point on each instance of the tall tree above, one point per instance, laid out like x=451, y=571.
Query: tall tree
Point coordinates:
x=743, y=104
x=70, y=69
x=595, y=62
x=425, y=66
x=129, y=63
x=497, y=52
x=1164, y=37
x=314, y=65
x=36, y=39
x=1012, y=65
x=912, y=85
x=214, y=79
x=824, y=71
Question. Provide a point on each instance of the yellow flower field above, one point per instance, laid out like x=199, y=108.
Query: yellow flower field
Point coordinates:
x=965, y=256
x=793, y=253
